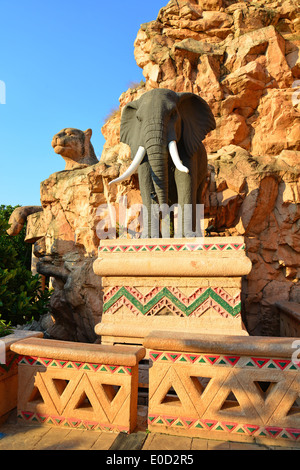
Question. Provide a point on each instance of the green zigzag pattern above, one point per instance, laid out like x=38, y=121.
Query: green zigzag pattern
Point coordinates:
x=165, y=293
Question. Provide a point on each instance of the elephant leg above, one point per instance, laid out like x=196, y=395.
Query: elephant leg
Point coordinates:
x=148, y=198
x=183, y=183
x=199, y=210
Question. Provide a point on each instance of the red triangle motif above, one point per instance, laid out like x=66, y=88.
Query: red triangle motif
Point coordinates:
x=251, y=428
x=222, y=247
x=173, y=356
x=295, y=433
x=281, y=363
x=209, y=423
x=212, y=359
x=150, y=247
x=236, y=247
x=207, y=247
x=27, y=414
x=169, y=420
x=192, y=357
x=229, y=425
x=273, y=431
x=192, y=247
x=232, y=359
x=155, y=355
x=260, y=362
x=31, y=359
x=188, y=422
x=164, y=247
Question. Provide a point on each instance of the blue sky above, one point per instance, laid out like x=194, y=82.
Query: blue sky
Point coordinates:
x=64, y=64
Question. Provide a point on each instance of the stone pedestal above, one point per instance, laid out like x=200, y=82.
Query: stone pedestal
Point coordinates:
x=181, y=285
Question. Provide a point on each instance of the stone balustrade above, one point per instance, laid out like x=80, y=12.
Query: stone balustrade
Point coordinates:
x=78, y=385
x=289, y=318
x=233, y=388
x=9, y=371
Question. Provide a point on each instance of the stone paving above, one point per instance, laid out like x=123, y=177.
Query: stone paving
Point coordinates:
x=19, y=436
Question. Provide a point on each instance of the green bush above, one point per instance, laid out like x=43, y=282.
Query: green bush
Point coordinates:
x=23, y=249
x=21, y=296
x=5, y=328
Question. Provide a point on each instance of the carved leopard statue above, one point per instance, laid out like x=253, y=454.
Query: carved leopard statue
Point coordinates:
x=75, y=147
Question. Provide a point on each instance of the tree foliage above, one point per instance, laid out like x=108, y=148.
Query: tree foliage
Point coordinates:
x=21, y=296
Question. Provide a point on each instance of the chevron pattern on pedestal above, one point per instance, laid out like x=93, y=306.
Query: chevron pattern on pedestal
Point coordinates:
x=180, y=304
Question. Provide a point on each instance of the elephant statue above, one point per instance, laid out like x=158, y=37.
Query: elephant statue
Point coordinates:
x=164, y=130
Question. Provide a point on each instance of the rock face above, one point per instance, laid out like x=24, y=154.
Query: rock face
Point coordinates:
x=243, y=59
x=259, y=198
x=65, y=237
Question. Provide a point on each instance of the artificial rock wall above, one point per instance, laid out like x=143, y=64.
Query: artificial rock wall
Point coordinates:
x=243, y=59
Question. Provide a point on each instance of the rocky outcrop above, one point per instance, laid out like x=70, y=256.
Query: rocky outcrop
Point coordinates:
x=259, y=198
x=64, y=234
x=243, y=59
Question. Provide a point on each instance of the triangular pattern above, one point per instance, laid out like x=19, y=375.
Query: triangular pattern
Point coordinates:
x=263, y=400
x=183, y=404
x=172, y=247
x=81, y=395
x=229, y=401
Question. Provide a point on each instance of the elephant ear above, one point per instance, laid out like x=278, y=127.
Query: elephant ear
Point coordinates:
x=197, y=120
x=129, y=131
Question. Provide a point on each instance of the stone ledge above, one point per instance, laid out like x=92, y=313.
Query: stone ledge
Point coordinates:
x=139, y=331
x=169, y=257
x=19, y=335
x=179, y=264
x=291, y=309
x=83, y=352
x=238, y=345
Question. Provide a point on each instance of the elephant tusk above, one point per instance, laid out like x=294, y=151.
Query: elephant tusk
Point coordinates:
x=132, y=168
x=175, y=157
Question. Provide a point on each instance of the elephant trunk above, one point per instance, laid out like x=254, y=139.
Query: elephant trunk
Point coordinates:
x=158, y=156
x=157, y=151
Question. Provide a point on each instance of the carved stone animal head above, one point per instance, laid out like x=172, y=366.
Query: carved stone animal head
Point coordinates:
x=75, y=147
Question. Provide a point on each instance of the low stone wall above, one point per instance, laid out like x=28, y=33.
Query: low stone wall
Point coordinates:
x=228, y=388
x=9, y=372
x=78, y=385
x=289, y=318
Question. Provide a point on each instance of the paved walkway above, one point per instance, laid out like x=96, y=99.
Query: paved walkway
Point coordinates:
x=19, y=436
